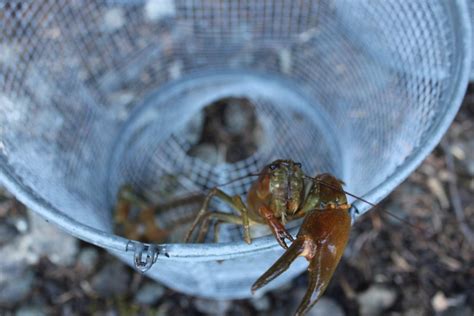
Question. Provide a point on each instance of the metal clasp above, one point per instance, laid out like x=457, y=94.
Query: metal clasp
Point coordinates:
x=354, y=212
x=144, y=255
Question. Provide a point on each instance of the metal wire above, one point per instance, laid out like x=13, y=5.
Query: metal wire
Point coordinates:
x=97, y=94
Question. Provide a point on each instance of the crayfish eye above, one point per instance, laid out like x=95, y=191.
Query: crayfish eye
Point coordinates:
x=272, y=166
x=298, y=164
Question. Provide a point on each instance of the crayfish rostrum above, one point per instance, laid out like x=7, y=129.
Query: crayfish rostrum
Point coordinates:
x=280, y=194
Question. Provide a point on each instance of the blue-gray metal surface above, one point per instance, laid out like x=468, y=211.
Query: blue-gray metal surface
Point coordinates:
x=471, y=12
x=94, y=95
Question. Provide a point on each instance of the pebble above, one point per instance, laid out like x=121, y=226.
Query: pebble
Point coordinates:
x=15, y=288
x=156, y=10
x=8, y=54
x=165, y=309
x=121, y=98
x=212, y=307
x=207, y=153
x=469, y=162
x=439, y=302
x=41, y=240
x=114, y=18
x=445, y=306
x=463, y=151
x=149, y=293
x=30, y=310
x=193, y=129
x=112, y=280
x=413, y=312
x=87, y=260
x=285, y=59
x=21, y=225
x=46, y=240
x=326, y=306
x=261, y=303
x=175, y=70
x=462, y=310
x=376, y=299
x=7, y=233
x=237, y=117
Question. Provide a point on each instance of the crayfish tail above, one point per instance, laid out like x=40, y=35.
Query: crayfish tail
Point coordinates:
x=280, y=266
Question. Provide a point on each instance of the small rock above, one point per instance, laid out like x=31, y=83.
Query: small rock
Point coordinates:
x=21, y=225
x=261, y=303
x=207, y=153
x=413, y=312
x=4, y=194
x=46, y=240
x=156, y=10
x=212, y=307
x=121, y=98
x=439, y=302
x=16, y=288
x=284, y=56
x=165, y=309
x=111, y=311
x=114, y=18
x=462, y=310
x=326, y=306
x=376, y=299
x=176, y=69
x=149, y=293
x=463, y=151
x=193, y=129
x=112, y=280
x=238, y=116
x=87, y=260
x=8, y=54
x=41, y=240
x=448, y=305
x=30, y=310
x=7, y=233
x=285, y=288
x=470, y=160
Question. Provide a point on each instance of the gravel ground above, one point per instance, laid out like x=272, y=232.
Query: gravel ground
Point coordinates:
x=389, y=268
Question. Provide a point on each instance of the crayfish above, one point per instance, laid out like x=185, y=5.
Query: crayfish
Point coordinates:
x=135, y=217
x=279, y=195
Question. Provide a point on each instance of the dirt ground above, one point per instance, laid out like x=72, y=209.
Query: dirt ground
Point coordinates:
x=389, y=268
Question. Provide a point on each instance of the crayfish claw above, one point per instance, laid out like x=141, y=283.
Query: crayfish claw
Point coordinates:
x=280, y=266
x=314, y=291
x=282, y=235
x=288, y=236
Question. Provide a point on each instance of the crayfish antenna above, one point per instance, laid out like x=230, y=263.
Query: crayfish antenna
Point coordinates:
x=280, y=266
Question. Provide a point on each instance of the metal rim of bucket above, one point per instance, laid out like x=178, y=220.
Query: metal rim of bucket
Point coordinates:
x=221, y=251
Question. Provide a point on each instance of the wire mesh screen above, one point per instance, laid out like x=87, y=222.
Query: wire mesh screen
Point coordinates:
x=471, y=13
x=95, y=95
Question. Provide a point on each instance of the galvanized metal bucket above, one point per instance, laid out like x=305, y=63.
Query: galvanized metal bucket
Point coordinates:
x=97, y=94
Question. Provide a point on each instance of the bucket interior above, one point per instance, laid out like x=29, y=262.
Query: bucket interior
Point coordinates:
x=100, y=94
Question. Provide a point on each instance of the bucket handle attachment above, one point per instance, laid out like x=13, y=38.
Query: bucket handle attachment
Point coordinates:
x=144, y=255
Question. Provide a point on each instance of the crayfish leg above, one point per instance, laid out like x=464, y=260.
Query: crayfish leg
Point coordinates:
x=280, y=266
x=276, y=226
x=203, y=215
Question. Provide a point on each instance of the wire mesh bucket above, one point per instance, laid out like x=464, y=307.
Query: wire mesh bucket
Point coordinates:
x=471, y=11
x=97, y=94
